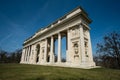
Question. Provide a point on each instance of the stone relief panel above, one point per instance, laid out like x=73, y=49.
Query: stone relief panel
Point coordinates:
x=42, y=52
x=74, y=32
x=85, y=32
x=76, y=52
x=76, y=49
x=86, y=51
x=86, y=48
x=42, y=49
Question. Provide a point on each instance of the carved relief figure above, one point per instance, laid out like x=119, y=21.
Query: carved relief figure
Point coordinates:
x=74, y=31
x=76, y=48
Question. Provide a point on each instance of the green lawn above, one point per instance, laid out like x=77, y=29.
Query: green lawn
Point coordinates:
x=37, y=72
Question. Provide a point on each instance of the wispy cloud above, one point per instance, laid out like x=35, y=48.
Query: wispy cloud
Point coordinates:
x=14, y=33
x=5, y=38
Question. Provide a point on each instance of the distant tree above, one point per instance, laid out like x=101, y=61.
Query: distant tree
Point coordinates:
x=109, y=50
x=16, y=56
x=97, y=60
x=3, y=56
x=7, y=57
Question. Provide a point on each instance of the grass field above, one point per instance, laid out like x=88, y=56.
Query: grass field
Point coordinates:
x=37, y=72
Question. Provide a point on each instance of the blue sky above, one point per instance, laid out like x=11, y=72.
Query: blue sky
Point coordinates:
x=19, y=19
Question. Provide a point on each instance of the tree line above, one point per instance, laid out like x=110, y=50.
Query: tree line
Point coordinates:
x=10, y=57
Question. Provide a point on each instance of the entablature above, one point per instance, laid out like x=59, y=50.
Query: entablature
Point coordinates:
x=71, y=19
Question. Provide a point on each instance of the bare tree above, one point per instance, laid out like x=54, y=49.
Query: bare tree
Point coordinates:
x=109, y=50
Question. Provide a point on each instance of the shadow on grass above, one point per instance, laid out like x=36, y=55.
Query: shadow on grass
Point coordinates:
x=43, y=78
x=40, y=78
x=72, y=79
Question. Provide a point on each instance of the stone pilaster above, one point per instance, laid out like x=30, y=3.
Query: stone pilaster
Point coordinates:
x=89, y=47
x=82, y=44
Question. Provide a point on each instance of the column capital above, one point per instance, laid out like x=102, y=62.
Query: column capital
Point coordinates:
x=81, y=25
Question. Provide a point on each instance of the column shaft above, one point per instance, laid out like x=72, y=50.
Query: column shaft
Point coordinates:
x=45, y=53
x=22, y=56
x=59, y=47
x=25, y=55
x=51, y=49
x=30, y=59
x=28, y=54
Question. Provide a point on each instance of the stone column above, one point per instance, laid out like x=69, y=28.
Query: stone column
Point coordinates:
x=68, y=46
x=22, y=56
x=35, y=55
x=45, y=53
x=89, y=47
x=59, y=47
x=39, y=54
x=82, y=44
x=51, y=50
x=31, y=54
x=26, y=54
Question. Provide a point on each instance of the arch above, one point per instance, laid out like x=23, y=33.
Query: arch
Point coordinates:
x=38, y=52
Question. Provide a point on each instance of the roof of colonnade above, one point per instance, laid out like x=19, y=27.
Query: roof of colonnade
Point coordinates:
x=81, y=10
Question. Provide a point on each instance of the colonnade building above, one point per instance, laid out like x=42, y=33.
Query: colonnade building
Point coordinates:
x=74, y=26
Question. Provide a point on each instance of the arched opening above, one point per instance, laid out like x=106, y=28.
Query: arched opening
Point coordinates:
x=38, y=52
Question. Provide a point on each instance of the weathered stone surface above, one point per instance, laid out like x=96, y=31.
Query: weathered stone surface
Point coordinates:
x=39, y=49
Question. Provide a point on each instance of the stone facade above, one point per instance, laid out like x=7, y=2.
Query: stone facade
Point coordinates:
x=39, y=48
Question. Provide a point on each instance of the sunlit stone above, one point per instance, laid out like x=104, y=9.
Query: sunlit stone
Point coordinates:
x=39, y=49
